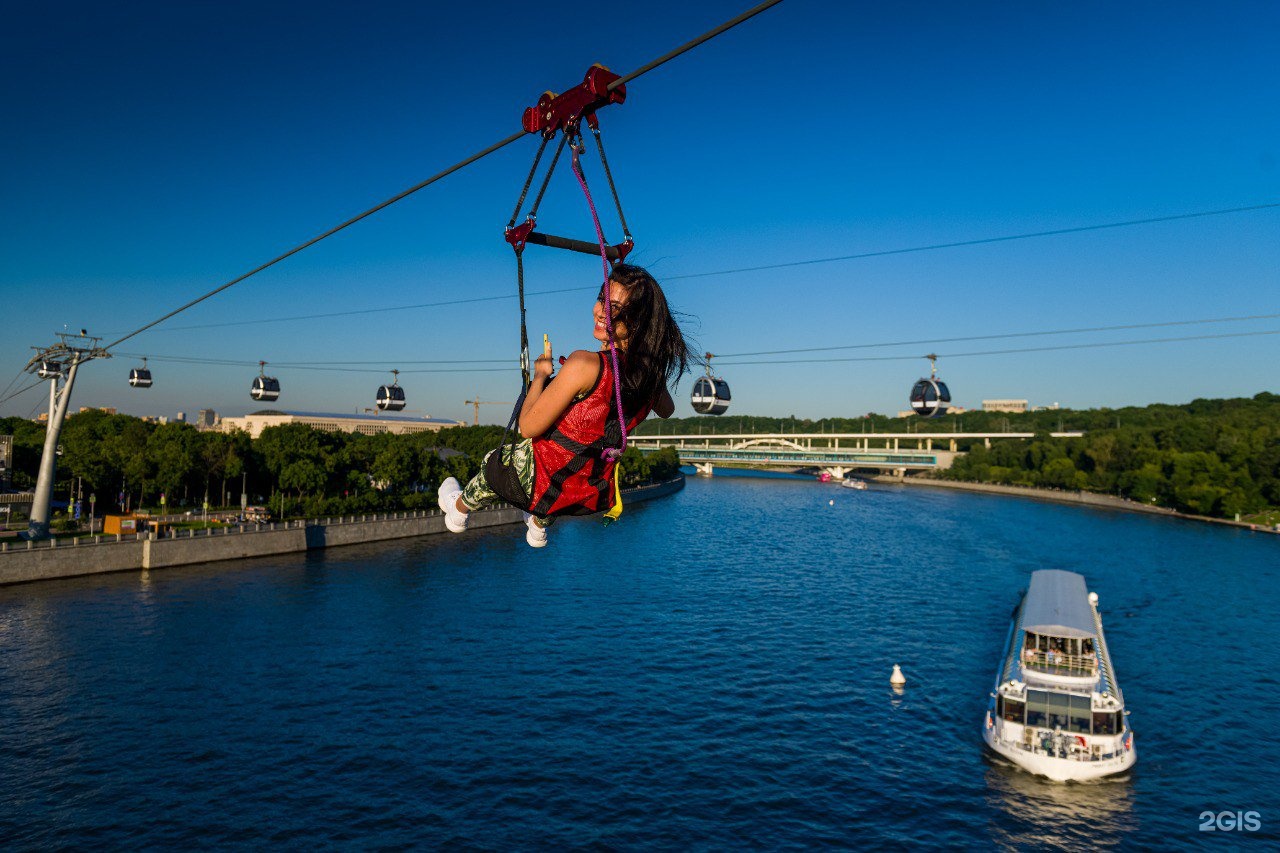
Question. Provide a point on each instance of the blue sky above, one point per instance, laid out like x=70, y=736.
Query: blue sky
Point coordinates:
x=154, y=151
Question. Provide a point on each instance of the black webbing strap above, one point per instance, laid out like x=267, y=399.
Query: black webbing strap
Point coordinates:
x=528, y=182
x=501, y=476
x=604, y=161
x=546, y=180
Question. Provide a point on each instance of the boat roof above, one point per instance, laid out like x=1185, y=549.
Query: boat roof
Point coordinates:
x=1057, y=604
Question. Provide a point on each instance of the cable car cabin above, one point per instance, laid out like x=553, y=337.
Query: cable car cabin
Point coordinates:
x=710, y=396
x=930, y=398
x=390, y=398
x=49, y=369
x=265, y=388
x=140, y=377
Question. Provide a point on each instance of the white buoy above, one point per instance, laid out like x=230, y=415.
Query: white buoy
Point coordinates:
x=897, y=679
x=831, y=503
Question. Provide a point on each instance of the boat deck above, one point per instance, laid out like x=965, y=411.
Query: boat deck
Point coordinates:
x=1017, y=643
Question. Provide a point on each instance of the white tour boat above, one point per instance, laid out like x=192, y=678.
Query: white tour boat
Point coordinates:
x=854, y=483
x=1056, y=709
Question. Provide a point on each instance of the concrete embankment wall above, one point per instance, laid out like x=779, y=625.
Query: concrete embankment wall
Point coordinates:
x=354, y=532
x=163, y=553
x=20, y=565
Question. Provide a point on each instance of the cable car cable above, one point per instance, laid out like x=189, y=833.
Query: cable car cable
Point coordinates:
x=1011, y=351
x=869, y=358
x=20, y=391
x=12, y=382
x=293, y=364
x=445, y=173
x=875, y=254
x=316, y=365
x=1005, y=335
x=978, y=242
x=393, y=308
x=222, y=362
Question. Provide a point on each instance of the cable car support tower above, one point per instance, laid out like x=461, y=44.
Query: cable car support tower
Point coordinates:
x=58, y=364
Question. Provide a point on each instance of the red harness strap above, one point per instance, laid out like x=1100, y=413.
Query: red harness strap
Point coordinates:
x=572, y=476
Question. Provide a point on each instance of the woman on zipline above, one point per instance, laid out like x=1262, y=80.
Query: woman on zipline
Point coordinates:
x=569, y=425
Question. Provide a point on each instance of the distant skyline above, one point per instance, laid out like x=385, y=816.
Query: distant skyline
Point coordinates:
x=153, y=152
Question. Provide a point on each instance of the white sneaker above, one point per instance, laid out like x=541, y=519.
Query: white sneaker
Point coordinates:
x=534, y=534
x=447, y=497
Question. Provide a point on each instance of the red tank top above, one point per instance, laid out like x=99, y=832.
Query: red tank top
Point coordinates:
x=569, y=475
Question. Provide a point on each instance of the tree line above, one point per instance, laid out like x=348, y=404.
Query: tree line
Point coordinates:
x=1207, y=457
x=294, y=469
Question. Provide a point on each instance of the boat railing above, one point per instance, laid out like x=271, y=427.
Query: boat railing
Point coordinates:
x=1108, y=676
x=1056, y=663
x=1062, y=745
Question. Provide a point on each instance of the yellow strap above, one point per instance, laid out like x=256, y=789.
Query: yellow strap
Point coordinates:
x=612, y=515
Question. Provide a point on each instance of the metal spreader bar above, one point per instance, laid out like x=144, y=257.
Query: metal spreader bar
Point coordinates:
x=615, y=253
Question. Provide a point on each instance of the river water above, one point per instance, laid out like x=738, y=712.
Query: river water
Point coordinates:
x=710, y=673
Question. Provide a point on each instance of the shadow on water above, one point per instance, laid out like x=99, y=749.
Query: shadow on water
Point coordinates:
x=1063, y=816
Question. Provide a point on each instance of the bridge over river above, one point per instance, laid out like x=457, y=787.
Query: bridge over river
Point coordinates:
x=836, y=453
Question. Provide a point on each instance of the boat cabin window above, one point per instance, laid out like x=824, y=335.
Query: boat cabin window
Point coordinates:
x=1010, y=710
x=1064, y=655
x=1058, y=711
x=1108, y=722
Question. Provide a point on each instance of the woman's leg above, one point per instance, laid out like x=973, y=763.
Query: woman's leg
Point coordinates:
x=477, y=493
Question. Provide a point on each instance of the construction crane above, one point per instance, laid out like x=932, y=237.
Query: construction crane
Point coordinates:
x=477, y=403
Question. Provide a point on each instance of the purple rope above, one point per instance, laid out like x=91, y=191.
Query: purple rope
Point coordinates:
x=609, y=452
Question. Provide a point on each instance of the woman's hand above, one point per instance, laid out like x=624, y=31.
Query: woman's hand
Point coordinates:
x=543, y=366
x=546, y=401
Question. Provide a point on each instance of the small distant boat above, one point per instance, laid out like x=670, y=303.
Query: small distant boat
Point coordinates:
x=1057, y=710
x=824, y=477
x=854, y=483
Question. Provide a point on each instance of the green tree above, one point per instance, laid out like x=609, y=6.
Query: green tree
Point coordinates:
x=172, y=451
x=394, y=465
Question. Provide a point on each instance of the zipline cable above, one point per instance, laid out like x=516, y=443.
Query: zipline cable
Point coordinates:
x=431, y=180
x=707, y=36
x=455, y=167
x=882, y=253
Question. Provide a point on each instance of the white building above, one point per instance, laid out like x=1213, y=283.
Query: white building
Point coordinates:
x=255, y=423
x=1014, y=406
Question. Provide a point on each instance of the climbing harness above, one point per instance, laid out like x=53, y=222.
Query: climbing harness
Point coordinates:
x=564, y=115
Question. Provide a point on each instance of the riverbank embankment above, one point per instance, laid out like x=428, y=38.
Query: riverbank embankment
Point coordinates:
x=91, y=555
x=1068, y=497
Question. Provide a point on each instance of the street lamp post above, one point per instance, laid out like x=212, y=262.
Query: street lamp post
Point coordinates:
x=93, y=499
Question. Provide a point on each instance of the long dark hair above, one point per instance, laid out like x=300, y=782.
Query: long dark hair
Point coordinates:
x=656, y=354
